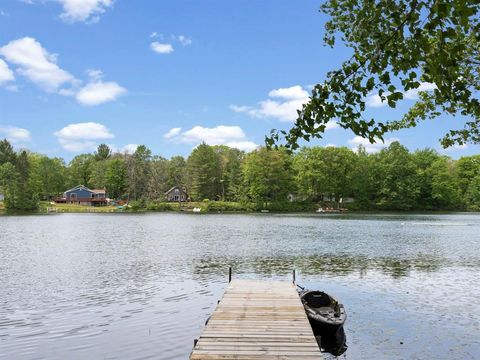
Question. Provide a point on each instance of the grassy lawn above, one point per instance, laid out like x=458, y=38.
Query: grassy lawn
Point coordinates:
x=74, y=208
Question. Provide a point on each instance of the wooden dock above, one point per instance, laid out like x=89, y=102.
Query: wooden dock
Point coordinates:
x=258, y=320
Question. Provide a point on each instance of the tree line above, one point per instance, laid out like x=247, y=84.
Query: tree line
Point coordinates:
x=392, y=179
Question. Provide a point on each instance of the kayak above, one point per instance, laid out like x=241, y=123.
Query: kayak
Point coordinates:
x=326, y=316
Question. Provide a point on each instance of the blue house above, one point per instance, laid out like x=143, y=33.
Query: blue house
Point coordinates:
x=82, y=195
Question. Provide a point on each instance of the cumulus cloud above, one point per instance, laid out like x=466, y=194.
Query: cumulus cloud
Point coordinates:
x=373, y=100
x=99, y=92
x=14, y=134
x=370, y=148
x=232, y=136
x=37, y=64
x=84, y=10
x=172, y=133
x=40, y=67
x=6, y=74
x=282, y=104
x=82, y=136
x=160, y=48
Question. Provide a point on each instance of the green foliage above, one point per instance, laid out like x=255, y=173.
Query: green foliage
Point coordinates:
x=80, y=170
x=159, y=206
x=17, y=182
x=138, y=173
x=203, y=168
x=325, y=171
x=398, y=47
x=444, y=186
x=116, y=177
x=396, y=178
x=225, y=206
x=103, y=152
x=393, y=179
x=472, y=195
x=268, y=175
x=7, y=154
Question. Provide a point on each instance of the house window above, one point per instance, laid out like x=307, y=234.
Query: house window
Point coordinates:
x=176, y=198
x=93, y=195
x=73, y=196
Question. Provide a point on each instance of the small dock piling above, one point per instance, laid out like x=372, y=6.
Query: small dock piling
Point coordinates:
x=258, y=320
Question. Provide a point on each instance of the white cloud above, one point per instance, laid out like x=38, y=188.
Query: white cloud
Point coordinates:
x=82, y=136
x=184, y=40
x=332, y=125
x=84, y=10
x=15, y=134
x=455, y=147
x=412, y=94
x=371, y=148
x=373, y=100
x=6, y=74
x=129, y=148
x=173, y=132
x=246, y=146
x=160, y=48
x=94, y=74
x=284, y=109
x=36, y=64
x=282, y=105
x=232, y=136
x=99, y=92
x=292, y=93
x=153, y=34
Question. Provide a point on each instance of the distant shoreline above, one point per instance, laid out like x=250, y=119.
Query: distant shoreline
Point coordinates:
x=214, y=207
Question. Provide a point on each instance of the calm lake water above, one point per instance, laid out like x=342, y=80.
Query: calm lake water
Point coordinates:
x=114, y=286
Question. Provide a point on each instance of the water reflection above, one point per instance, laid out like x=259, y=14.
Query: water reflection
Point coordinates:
x=328, y=264
x=142, y=286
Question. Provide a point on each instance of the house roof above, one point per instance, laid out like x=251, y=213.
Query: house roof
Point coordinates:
x=173, y=188
x=83, y=187
x=78, y=187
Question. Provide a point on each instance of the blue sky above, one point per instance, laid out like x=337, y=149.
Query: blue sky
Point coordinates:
x=169, y=74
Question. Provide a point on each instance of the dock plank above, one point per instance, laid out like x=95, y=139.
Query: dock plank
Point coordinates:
x=258, y=320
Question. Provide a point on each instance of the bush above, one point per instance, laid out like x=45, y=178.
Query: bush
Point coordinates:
x=159, y=206
x=215, y=206
x=136, y=205
x=291, y=206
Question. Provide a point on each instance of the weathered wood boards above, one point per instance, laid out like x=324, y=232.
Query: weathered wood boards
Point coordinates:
x=258, y=320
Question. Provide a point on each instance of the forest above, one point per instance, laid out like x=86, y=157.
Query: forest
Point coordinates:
x=391, y=179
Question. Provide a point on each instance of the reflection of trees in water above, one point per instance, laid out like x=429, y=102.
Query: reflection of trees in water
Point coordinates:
x=319, y=264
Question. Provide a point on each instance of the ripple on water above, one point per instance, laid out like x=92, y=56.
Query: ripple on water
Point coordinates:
x=409, y=282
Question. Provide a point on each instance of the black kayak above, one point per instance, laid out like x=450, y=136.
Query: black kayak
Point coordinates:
x=326, y=316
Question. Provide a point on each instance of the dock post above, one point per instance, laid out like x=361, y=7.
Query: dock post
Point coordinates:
x=229, y=274
x=294, y=280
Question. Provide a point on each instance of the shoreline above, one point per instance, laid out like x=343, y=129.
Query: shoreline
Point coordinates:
x=216, y=208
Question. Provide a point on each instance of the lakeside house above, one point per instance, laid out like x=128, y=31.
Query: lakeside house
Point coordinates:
x=2, y=197
x=176, y=194
x=82, y=195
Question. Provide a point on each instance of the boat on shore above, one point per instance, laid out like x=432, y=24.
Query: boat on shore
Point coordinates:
x=326, y=316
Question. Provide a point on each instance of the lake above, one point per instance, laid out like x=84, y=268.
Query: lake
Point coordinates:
x=140, y=286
